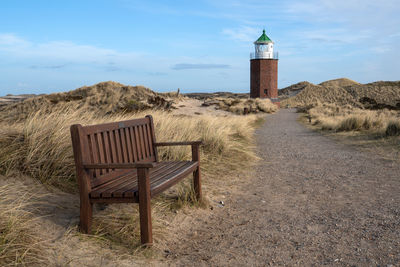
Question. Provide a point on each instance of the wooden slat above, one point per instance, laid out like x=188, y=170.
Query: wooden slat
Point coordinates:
x=138, y=146
x=185, y=143
x=100, y=146
x=107, y=178
x=153, y=135
x=89, y=152
x=110, y=187
x=134, y=199
x=146, y=141
x=91, y=129
x=177, y=166
x=123, y=145
x=173, y=178
x=133, y=143
x=117, y=176
x=95, y=153
x=107, y=154
x=164, y=175
x=141, y=142
x=109, y=190
x=173, y=166
x=150, y=142
x=128, y=145
x=118, y=146
x=142, y=164
x=109, y=184
x=113, y=147
x=131, y=189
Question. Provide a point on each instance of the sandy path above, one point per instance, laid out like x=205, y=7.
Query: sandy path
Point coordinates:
x=312, y=202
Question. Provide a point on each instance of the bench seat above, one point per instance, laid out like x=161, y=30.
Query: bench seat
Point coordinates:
x=162, y=176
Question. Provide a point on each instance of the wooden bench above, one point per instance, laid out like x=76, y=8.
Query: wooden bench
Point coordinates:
x=118, y=163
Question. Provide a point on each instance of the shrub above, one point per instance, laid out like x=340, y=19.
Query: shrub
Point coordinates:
x=352, y=123
x=393, y=128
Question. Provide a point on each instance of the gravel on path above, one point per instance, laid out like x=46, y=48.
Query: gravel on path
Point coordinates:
x=311, y=202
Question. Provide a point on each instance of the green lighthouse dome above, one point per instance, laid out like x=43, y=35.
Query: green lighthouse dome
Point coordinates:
x=263, y=39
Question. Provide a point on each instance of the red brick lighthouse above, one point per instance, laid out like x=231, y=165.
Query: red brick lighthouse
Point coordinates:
x=264, y=70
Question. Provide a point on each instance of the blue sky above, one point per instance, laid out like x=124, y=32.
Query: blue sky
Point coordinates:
x=197, y=46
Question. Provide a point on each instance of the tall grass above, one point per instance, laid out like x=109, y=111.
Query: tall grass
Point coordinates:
x=239, y=105
x=393, y=128
x=346, y=118
x=20, y=245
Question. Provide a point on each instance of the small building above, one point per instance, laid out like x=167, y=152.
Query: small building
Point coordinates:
x=264, y=70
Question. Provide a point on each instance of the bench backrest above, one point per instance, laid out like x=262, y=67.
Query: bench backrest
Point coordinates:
x=117, y=142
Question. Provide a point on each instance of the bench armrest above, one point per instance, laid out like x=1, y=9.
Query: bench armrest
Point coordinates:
x=187, y=143
x=118, y=165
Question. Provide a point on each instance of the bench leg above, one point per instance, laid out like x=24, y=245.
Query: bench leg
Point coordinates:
x=146, y=234
x=196, y=173
x=86, y=211
x=197, y=183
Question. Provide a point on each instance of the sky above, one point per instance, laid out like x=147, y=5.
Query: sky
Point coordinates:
x=197, y=46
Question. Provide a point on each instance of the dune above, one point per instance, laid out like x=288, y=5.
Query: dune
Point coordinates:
x=376, y=95
x=103, y=98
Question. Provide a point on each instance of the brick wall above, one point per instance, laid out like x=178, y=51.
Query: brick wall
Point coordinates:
x=264, y=78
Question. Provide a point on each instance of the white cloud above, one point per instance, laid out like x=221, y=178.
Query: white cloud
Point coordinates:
x=243, y=33
x=64, y=51
x=335, y=36
x=8, y=39
x=56, y=55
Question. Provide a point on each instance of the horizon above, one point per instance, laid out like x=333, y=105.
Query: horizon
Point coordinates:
x=48, y=47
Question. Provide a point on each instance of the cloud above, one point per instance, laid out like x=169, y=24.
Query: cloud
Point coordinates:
x=58, y=51
x=48, y=67
x=9, y=39
x=242, y=34
x=157, y=73
x=335, y=36
x=186, y=66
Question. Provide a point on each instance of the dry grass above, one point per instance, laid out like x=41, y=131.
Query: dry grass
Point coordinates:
x=40, y=147
x=346, y=118
x=103, y=98
x=238, y=105
x=393, y=128
x=20, y=244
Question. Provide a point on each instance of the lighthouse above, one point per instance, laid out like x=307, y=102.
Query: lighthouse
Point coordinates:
x=264, y=70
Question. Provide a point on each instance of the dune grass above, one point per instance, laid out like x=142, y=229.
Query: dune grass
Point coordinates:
x=393, y=128
x=238, y=105
x=20, y=245
x=336, y=118
x=40, y=147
